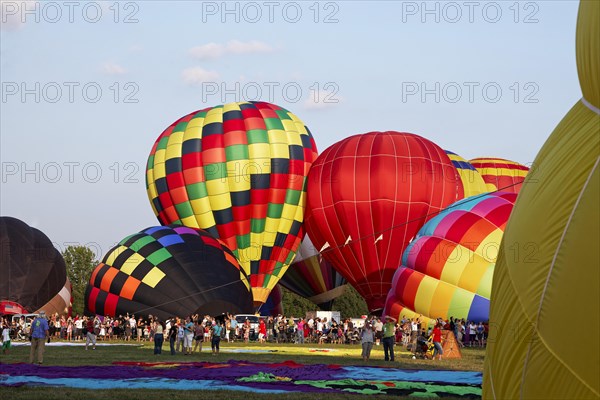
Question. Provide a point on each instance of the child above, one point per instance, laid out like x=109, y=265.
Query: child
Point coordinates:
x=5, y=339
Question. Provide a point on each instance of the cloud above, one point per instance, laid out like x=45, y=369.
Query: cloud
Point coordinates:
x=212, y=51
x=111, y=68
x=197, y=75
x=321, y=100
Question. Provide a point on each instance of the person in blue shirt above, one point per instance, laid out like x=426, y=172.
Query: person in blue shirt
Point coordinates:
x=39, y=333
x=216, y=337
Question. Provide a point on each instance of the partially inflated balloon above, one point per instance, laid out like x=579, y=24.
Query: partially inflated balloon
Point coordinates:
x=168, y=271
x=238, y=171
x=545, y=305
x=368, y=195
x=313, y=277
x=471, y=179
x=447, y=270
x=34, y=275
x=500, y=174
x=273, y=306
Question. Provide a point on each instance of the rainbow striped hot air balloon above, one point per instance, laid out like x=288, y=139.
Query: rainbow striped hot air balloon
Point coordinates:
x=447, y=269
x=501, y=174
x=238, y=171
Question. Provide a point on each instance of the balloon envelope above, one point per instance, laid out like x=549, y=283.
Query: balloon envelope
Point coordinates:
x=471, y=179
x=238, y=171
x=313, y=277
x=34, y=275
x=447, y=269
x=168, y=271
x=368, y=195
x=501, y=174
x=557, y=277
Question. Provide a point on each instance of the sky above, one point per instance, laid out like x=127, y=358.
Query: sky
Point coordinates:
x=87, y=87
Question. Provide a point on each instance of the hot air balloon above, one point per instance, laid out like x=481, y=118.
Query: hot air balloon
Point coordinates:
x=238, y=171
x=471, y=179
x=543, y=341
x=273, y=306
x=313, y=277
x=500, y=174
x=168, y=271
x=447, y=269
x=368, y=195
x=34, y=275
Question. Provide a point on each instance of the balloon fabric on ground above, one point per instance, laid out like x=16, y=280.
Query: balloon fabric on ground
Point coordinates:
x=447, y=269
x=529, y=356
x=238, y=171
x=368, y=195
x=34, y=274
x=500, y=174
x=168, y=271
x=313, y=277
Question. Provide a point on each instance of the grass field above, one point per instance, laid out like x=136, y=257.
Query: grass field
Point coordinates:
x=305, y=354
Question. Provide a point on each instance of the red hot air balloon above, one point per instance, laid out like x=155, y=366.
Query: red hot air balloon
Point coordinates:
x=367, y=197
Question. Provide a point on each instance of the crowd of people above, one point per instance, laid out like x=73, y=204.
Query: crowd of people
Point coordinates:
x=186, y=335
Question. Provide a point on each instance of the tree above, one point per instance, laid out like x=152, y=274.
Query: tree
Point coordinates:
x=80, y=261
x=350, y=304
x=295, y=305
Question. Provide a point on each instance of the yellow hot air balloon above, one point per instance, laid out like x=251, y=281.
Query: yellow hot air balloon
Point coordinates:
x=545, y=304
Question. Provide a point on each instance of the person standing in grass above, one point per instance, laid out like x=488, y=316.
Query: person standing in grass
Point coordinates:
x=188, y=336
x=90, y=336
x=216, y=338
x=39, y=333
x=159, y=337
x=198, y=335
x=5, y=338
x=173, y=336
x=389, y=337
x=367, y=336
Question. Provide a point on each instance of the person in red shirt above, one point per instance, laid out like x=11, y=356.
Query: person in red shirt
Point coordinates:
x=437, y=341
x=262, y=331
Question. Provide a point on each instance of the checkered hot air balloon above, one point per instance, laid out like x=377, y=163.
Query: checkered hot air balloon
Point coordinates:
x=368, y=195
x=238, y=171
x=447, y=269
x=168, y=271
x=501, y=174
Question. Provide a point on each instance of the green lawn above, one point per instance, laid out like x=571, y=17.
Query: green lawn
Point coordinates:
x=306, y=354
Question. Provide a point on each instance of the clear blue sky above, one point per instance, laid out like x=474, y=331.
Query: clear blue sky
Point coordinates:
x=171, y=58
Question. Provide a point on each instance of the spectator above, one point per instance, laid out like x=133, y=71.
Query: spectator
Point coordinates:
x=173, y=336
x=5, y=338
x=300, y=326
x=389, y=337
x=437, y=341
x=39, y=333
x=366, y=338
x=188, y=336
x=216, y=338
x=158, y=336
x=198, y=336
x=90, y=336
x=262, y=331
